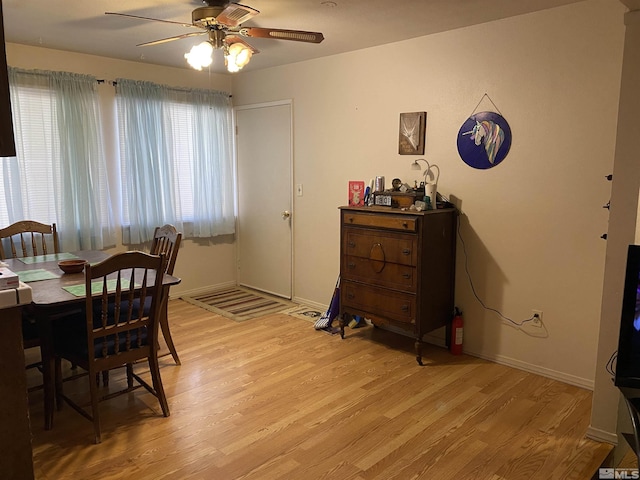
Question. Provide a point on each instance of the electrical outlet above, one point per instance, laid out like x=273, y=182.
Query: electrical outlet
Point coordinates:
x=537, y=318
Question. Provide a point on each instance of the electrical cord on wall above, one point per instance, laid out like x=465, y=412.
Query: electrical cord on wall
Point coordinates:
x=475, y=294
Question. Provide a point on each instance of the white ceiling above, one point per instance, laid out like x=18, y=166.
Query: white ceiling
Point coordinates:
x=82, y=26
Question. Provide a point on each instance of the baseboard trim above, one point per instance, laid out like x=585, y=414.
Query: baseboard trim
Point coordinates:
x=438, y=340
x=308, y=303
x=529, y=367
x=198, y=291
x=601, y=436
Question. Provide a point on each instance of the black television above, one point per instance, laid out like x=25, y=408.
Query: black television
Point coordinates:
x=628, y=361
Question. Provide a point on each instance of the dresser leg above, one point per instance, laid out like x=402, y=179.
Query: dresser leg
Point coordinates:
x=342, y=323
x=419, y=352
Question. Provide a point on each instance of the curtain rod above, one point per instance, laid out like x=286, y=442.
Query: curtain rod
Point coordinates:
x=114, y=83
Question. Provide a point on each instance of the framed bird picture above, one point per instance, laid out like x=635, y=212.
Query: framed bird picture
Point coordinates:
x=412, y=133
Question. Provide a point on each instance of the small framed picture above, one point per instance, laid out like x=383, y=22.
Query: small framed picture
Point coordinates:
x=412, y=133
x=356, y=193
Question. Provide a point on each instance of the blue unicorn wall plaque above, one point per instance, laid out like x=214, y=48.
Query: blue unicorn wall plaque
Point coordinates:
x=484, y=140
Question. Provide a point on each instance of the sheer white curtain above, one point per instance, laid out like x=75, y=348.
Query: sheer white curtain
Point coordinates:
x=59, y=173
x=176, y=160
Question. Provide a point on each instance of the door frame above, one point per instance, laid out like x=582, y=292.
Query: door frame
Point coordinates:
x=276, y=103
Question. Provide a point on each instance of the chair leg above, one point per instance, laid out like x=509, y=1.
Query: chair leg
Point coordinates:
x=129, y=376
x=166, y=333
x=154, y=369
x=105, y=378
x=93, y=388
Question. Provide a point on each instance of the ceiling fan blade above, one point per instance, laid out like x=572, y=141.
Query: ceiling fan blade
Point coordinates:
x=231, y=39
x=152, y=19
x=170, y=39
x=282, y=34
x=235, y=14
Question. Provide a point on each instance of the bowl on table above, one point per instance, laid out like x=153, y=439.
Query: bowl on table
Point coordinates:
x=72, y=266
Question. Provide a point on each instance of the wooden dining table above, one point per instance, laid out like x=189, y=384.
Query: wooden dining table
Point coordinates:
x=52, y=298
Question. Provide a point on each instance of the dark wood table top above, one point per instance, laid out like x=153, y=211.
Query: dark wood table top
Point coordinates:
x=51, y=292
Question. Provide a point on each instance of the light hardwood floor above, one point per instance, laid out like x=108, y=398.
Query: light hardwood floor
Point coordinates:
x=271, y=398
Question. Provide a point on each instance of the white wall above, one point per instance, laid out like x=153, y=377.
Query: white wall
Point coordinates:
x=531, y=225
x=622, y=227
x=200, y=263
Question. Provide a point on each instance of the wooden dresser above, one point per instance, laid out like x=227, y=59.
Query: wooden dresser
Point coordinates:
x=398, y=268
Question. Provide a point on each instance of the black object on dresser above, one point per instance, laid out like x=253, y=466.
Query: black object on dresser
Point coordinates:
x=397, y=268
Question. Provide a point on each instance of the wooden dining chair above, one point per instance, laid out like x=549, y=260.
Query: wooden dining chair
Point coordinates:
x=33, y=239
x=166, y=240
x=116, y=330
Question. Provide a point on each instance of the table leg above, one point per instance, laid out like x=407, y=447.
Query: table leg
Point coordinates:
x=48, y=367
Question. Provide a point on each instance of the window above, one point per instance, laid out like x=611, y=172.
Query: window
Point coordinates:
x=176, y=160
x=59, y=173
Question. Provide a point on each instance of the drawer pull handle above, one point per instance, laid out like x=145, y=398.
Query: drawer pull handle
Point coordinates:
x=406, y=251
x=350, y=296
x=351, y=243
x=404, y=308
x=351, y=265
x=405, y=224
x=406, y=275
x=350, y=219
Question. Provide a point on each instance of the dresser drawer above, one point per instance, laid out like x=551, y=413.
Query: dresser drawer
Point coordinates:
x=392, y=275
x=381, y=247
x=405, y=223
x=397, y=306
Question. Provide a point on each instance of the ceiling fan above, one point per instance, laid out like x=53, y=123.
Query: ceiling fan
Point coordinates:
x=222, y=21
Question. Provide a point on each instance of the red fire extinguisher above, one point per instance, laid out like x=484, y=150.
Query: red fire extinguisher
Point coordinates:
x=455, y=344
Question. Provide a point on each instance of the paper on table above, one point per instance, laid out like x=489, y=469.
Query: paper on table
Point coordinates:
x=47, y=258
x=35, y=275
x=96, y=287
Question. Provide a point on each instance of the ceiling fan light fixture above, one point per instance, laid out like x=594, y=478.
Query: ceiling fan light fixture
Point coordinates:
x=222, y=21
x=236, y=56
x=200, y=55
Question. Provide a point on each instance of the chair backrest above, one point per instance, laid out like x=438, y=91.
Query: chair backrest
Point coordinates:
x=33, y=238
x=166, y=240
x=119, y=328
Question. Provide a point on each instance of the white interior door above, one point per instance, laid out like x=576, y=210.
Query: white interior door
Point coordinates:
x=263, y=138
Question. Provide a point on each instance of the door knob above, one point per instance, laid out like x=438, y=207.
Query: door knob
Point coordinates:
x=286, y=214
